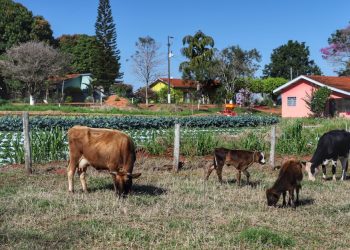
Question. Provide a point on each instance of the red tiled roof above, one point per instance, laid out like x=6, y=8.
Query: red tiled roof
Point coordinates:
x=339, y=82
x=61, y=78
x=179, y=83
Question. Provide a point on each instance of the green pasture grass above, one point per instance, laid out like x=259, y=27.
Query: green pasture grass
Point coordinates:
x=110, y=110
x=168, y=210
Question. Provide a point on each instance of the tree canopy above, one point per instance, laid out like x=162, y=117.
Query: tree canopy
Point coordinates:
x=84, y=50
x=108, y=61
x=32, y=63
x=146, y=61
x=338, y=51
x=199, y=50
x=18, y=25
x=234, y=64
x=293, y=55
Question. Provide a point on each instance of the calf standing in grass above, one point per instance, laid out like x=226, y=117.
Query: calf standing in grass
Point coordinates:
x=240, y=159
x=289, y=178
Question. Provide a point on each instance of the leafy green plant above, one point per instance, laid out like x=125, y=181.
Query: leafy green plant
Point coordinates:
x=316, y=102
x=11, y=123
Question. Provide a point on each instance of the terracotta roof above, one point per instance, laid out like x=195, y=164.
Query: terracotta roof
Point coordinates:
x=178, y=83
x=66, y=77
x=339, y=82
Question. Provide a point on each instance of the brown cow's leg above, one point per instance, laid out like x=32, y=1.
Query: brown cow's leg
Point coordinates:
x=291, y=197
x=219, y=173
x=297, y=191
x=239, y=177
x=210, y=169
x=284, y=199
x=73, y=162
x=82, y=173
x=246, y=174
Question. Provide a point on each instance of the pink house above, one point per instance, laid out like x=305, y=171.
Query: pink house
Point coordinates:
x=295, y=91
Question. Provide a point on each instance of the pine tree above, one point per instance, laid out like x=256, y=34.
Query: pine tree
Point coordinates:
x=108, y=62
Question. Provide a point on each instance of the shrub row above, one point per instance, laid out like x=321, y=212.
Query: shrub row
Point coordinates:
x=13, y=123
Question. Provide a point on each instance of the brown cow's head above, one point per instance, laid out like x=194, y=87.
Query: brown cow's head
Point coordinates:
x=272, y=197
x=123, y=182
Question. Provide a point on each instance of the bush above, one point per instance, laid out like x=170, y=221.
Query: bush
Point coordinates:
x=317, y=101
x=69, y=99
x=122, y=89
x=3, y=101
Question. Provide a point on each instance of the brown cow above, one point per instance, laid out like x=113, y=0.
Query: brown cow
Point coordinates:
x=240, y=159
x=289, y=179
x=104, y=149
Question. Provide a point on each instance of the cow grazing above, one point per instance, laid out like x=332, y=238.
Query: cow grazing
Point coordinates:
x=331, y=146
x=289, y=179
x=104, y=149
x=240, y=159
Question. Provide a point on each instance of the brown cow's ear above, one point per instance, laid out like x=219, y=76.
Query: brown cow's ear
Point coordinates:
x=135, y=176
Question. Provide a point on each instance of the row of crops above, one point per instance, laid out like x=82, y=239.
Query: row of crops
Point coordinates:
x=14, y=123
x=52, y=145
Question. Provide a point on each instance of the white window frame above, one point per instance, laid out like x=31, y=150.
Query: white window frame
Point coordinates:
x=291, y=101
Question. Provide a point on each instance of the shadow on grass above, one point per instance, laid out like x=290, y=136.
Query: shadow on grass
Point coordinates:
x=135, y=190
x=253, y=184
x=302, y=202
x=147, y=190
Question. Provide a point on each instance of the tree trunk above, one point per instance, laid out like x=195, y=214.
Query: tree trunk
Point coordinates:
x=31, y=100
x=147, y=93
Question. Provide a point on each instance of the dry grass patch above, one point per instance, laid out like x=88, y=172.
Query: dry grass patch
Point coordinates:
x=167, y=211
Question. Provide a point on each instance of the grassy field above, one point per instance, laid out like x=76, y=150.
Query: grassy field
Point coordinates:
x=167, y=211
x=134, y=110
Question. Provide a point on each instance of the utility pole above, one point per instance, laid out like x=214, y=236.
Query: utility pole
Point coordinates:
x=169, y=55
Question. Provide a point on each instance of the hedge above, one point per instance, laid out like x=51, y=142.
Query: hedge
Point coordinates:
x=14, y=123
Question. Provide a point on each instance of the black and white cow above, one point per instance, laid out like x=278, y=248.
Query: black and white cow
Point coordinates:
x=332, y=146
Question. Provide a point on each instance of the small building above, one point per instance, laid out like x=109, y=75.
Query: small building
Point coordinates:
x=77, y=86
x=185, y=86
x=295, y=92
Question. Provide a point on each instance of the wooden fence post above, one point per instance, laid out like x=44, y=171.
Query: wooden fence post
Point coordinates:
x=176, y=148
x=27, y=148
x=273, y=145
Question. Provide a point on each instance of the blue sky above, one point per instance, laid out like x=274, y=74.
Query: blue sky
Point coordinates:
x=260, y=24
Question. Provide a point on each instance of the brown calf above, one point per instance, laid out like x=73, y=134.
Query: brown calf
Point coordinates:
x=103, y=149
x=240, y=159
x=289, y=179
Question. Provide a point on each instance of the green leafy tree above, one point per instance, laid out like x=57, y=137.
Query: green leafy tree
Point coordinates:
x=316, y=102
x=122, y=89
x=84, y=50
x=199, y=50
x=41, y=30
x=338, y=51
x=176, y=95
x=293, y=55
x=108, y=62
x=233, y=65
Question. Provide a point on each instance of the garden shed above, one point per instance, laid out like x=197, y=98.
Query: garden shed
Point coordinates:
x=295, y=92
